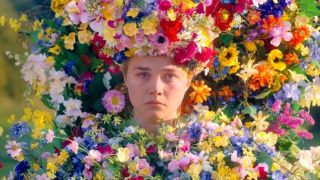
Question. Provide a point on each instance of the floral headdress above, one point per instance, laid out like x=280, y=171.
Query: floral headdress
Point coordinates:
x=183, y=30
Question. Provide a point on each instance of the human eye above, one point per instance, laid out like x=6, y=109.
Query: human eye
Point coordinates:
x=143, y=75
x=169, y=76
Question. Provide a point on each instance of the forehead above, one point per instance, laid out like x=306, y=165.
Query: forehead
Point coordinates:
x=153, y=63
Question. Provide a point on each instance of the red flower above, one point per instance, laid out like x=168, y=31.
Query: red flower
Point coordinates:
x=125, y=172
x=223, y=17
x=1, y=165
x=106, y=59
x=171, y=29
x=165, y=5
x=97, y=43
x=184, y=55
x=205, y=55
x=137, y=178
x=262, y=173
x=105, y=150
x=85, y=60
x=213, y=8
x=151, y=149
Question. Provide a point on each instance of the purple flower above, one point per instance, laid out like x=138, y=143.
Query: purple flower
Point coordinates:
x=21, y=168
x=159, y=42
x=291, y=91
x=19, y=129
x=306, y=116
x=278, y=175
x=113, y=101
x=195, y=131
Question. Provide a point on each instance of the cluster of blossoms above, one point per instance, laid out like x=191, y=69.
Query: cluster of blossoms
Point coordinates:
x=244, y=117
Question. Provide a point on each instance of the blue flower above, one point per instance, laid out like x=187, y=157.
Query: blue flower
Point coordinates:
x=68, y=67
x=21, y=168
x=291, y=91
x=78, y=165
x=205, y=175
x=277, y=175
x=265, y=148
x=19, y=129
x=89, y=143
x=238, y=142
x=195, y=131
x=272, y=8
x=119, y=57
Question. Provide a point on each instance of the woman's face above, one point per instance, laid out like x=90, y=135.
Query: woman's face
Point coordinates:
x=156, y=87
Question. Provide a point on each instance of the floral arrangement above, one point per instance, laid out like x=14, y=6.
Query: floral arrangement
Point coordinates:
x=243, y=118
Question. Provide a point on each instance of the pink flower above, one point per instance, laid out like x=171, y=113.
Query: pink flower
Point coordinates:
x=171, y=137
x=87, y=173
x=49, y=136
x=45, y=155
x=186, y=145
x=113, y=101
x=87, y=123
x=173, y=165
x=42, y=177
x=276, y=106
x=165, y=5
x=306, y=116
x=133, y=150
x=13, y=148
x=95, y=154
x=184, y=162
x=305, y=134
x=124, y=42
x=88, y=161
x=74, y=146
x=106, y=151
x=77, y=12
x=184, y=55
x=160, y=42
x=205, y=54
x=281, y=32
x=276, y=129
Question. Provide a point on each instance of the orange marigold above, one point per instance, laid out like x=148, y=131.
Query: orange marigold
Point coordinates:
x=299, y=35
x=226, y=93
x=263, y=78
x=200, y=92
x=253, y=17
x=271, y=22
x=291, y=58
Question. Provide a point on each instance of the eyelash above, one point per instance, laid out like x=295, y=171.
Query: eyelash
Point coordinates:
x=167, y=76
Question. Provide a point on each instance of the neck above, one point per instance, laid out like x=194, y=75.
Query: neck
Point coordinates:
x=151, y=125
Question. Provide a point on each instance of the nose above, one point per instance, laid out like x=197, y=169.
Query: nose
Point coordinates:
x=156, y=87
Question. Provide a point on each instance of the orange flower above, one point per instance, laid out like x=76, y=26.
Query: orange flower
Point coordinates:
x=253, y=17
x=263, y=78
x=291, y=58
x=271, y=22
x=200, y=92
x=299, y=35
x=186, y=107
x=226, y=93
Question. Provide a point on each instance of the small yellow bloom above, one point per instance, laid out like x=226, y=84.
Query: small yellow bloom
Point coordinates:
x=250, y=46
x=200, y=92
x=50, y=60
x=221, y=141
x=133, y=12
x=209, y=115
x=313, y=70
x=27, y=114
x=58, y=5
x=23, y=18
x=145, y=171
x=99, y=176
x=149, y=25
x=14, y=24
x=69, y=41
x=34, y=145
x=1, y=131
x=123, y=154
x=84, y=36
x=274, y=58
x=36, y=134
x=36, y=25
x=36, y=167
x=130, y=29
x=133, y=166
x=2, y=20
x=304, y=50
x=11, y=119
x=108, y=34
x=194, y=171
x=229, y=56
x=20, y=157
x=63, y=157
x=172, y=15
x=55, y=50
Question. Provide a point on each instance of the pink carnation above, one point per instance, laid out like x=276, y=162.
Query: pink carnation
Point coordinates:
x=184, y=55
x=306, y=116
x=276, y=106
x=50, y=136
x=305, y=134
x=173, y=165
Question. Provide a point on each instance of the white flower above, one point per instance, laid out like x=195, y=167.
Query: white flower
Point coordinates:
x=13, y=148
x=106, y=80
x=258, y=2
x=73, y=107
x=305, y=160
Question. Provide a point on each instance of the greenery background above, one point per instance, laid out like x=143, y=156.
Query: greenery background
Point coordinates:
x=12, y=86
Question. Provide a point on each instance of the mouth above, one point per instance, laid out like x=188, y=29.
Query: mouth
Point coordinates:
x=155, y=103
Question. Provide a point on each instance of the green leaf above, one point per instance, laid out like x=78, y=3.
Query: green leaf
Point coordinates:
x=263, y=157
x=225, y=38
x=251, y=110
x=46, y=100
x=263, y=94
x=95, y=63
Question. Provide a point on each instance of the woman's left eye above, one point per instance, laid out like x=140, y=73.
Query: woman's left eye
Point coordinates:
x=169, y=76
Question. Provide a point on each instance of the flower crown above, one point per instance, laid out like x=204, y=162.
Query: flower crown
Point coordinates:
x=182, y=30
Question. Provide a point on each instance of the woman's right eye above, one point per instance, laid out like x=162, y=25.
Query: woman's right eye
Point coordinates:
x=143, y=75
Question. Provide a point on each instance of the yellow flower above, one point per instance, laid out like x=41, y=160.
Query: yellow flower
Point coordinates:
x=14, y=24
x=209, y=115
x=250, y=46
x=58, y=5
x=11, y=119
x=274, y=58
x=229, y=56
x=200, y=92
x=50, y=60
x=55, y=50
x=149, y=25
x=194, y=171
x=23, y=18
x=304, y=50
x=142, y=151
x=172, y=15
x=84, y=36
x=1, y=131
x=52, y=167
x=188, y=4
x=36, y=134
x=69, y=41
x=108, y=34
x=2, y=20
x=123, y=154
x=234, y=68
x=133, y=12
x=130, y=29
x=36, y=166
x=133, y=166
x=269, y=138
x=99, y=176
x=34, y=145
x=221, y=141
x=260, y=121
x=313, y=70
x=36, y=25
x=63, y=157
x=145, y=171
x=27, y=114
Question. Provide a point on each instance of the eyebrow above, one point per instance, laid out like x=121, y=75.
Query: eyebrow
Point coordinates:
x=142, y=68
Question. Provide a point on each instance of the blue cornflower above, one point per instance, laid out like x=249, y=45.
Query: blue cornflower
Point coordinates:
x=205, y=175
x=277, y=175
x=89, y=143
x=19, y=129
x=237, y=142
x=86, y=85
x=21, y=168
x=265, y=148
x=78, y=165
x=119, y=57
x=195, y=131
x=68, y=67
x=272, y=8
